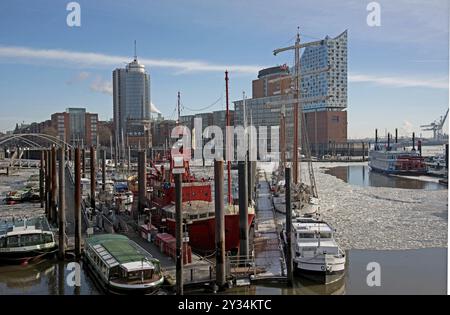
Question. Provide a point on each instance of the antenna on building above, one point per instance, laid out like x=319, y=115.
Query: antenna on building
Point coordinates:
x=135, y=53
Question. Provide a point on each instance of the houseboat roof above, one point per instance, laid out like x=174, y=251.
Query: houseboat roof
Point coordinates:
x=312, y=227
x=117, y=249
x=15, y=226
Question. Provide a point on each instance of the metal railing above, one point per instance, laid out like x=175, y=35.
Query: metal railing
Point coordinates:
x=241, y=266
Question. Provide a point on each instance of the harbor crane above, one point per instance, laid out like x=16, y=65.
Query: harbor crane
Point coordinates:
x=436, y=127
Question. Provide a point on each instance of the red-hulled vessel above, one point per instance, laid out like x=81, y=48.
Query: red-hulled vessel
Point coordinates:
x=198, y=209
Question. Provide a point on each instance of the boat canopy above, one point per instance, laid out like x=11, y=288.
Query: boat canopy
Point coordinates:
x=117, y=249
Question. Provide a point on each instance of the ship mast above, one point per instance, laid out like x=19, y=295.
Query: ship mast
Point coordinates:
x=178, y=109
x=297, y=106
x=228, y=139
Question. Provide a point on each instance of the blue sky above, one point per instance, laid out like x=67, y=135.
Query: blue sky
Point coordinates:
x=398, y=72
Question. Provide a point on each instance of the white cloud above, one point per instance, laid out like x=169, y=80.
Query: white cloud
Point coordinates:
x=95, y=60
x=398, y=81
x=90, y=59
x=102, y=86
x=79, y=77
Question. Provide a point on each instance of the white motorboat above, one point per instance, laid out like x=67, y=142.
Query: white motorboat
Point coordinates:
x=317, y=255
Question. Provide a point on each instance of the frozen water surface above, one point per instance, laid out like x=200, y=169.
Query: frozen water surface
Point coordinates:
x=378, y=217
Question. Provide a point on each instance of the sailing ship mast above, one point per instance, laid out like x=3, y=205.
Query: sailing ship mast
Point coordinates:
x=228, y=140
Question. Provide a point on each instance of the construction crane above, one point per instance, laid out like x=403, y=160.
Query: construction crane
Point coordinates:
x=436, y=127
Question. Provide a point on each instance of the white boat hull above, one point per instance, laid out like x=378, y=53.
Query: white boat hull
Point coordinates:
x=324, y=270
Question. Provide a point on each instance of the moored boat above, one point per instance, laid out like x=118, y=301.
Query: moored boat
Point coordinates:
x=393, y=160
x=198, y=210
x=25, y=240
x=317, y=255
x=121, y=266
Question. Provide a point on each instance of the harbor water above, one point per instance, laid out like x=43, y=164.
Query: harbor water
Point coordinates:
x=421, y=271
x=361, y=175
x=398, y=223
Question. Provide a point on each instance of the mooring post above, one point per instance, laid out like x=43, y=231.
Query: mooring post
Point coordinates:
x=103, y=153
x=54, y=186
x=289, y=262
x=249, y=179
x=363, y=152
x=47, y=183
x=142, y=181
x=49, y=212
x=446, y=156
x=93, y=176
x=243, y=209
x=179, y=233
x=41, y=180
x=83, y=162
x=376, y=139
x=62, y=205
x=129, y=159
x=77, y=201
x=220, y=223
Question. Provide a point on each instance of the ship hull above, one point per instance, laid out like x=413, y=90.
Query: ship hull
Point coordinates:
x=322, y=277
x=23, y=257
x=110, y=288
x=398, y=172
x=202, y=233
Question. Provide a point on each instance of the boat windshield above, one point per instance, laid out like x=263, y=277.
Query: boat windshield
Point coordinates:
x=314, y=235
x=25, y=240
x=136, y=275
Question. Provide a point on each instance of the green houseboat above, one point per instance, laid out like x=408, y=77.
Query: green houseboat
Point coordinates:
x=121, y=266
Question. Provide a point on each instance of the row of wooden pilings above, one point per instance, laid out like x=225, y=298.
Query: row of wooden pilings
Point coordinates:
x=56, y=212
x=50, y=182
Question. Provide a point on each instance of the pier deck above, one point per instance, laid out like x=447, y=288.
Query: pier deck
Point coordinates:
x=267, y=243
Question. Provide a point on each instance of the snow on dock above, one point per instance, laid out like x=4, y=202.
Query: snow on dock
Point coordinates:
x=267, y=244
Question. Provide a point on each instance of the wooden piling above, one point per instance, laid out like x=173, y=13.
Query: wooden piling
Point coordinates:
x=220, y=223
x=289, y=256
x=62, y=205
x=251, y=170
x=47, y=183
x=103, y=154
x=41, y=180
x=179, y=234
x=446, y=156
x=243, y=209
x=77, y=201
x=83, y=163
x=93, y=176
x=54, y=186
x=142, y=181
x=363, y=152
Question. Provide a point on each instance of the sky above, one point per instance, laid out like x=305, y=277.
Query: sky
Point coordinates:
x=398, y=71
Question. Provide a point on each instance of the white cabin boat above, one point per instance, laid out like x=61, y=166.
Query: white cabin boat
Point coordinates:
x=317, y=255
x=25, y=240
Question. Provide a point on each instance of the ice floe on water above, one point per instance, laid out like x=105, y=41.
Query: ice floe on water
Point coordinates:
x=378, y=217
x=17, y=180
